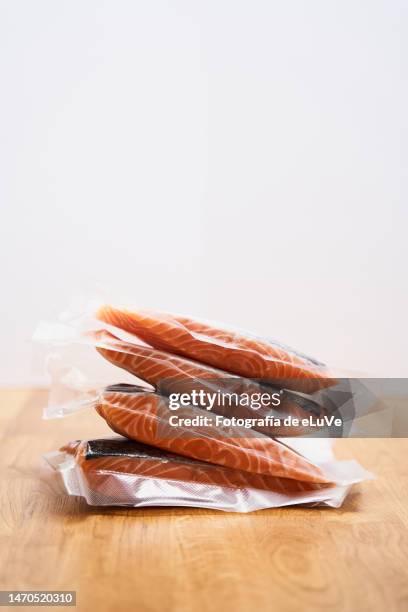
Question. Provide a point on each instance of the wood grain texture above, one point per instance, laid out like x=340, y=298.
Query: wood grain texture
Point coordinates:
x=169, y=559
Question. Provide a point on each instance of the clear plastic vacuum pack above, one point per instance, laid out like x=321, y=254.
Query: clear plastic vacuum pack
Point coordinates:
x=120, y=472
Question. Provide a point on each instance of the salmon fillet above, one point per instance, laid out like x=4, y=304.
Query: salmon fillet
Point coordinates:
x=170, y=373
x=100, y=459
x=145, y=417
x=233, y=352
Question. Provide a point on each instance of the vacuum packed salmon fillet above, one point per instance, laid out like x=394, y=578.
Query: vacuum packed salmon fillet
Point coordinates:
x=234, y=352
x=100, y=459
x=145, y=417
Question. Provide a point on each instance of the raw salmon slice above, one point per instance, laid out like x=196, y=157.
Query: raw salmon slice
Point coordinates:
x=145, y=417
x=101, y=459
x=234, y=352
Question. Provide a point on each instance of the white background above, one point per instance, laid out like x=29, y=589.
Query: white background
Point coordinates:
x=243, y=161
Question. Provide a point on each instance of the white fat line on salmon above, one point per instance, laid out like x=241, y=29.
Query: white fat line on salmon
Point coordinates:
x=204, y=399
x=248, y=423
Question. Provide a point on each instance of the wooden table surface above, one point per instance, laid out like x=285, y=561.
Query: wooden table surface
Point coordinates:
x=175, y=559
